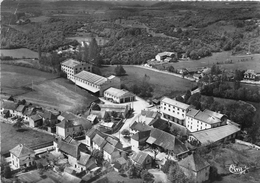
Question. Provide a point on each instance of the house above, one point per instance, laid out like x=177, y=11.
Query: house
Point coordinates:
x=139, y=127
x=20, y=110
x=94, y=83
x=250, y=75
x=8, y=108
x=110, y=152
x=118, y=96
x=162, y=56
x=93, y=119
x=6, y=97
x=99, y=142
x=139, y=139
x=142, y=159
x=159, y=123
x=76, y=152
x=147, y=116
x=114, y=141
x=35, y=120
x=200, y=120
x=166, y=142
x=195, y=167
x=121, y=110
x=90, y=134
x=72, y=127
x=213, y=135
x=22, y=156
x=29, y=111
x=47, y=115
x=173, y=110
x=72, y=67
x=197, y=77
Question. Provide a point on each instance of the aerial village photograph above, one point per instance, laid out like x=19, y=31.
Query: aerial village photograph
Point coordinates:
x=130, y=91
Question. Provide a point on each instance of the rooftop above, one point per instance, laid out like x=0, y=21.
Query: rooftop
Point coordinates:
x=20, y=108
x=68, y=148
x=140, y=127
x=91, y=78
x=6, y=104
x=159, y=123
x=141, y=135
x=140, y=157
x=36, y=117
x=194, y=162
x=70, y=63
x=175, y=103
x=99, y=140
x=84, y=157
x=192, y=112
x=208, y=116
x=109, y=148
x=119, y=93
x=21, y=150
x=215, y=134
x=166, y=53
x=113, y=107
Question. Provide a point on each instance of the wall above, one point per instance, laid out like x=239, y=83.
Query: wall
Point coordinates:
x=195, y=125
x=135, y=144
x=60, y=131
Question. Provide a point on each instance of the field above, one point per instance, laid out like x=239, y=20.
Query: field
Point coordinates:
x=10, y=137
x=19, y=53
x=48, y=90
x=39, y=19
x=222, y=58
x=162, y=83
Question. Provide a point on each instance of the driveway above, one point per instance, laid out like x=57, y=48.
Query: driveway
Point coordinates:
x=159, y=176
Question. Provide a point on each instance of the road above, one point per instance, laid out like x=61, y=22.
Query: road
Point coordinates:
x=138, y=106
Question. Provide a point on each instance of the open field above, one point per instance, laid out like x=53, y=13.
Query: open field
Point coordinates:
x=39, y=19
x=162, y=83
x=48, y=90
x=10, y=137
x=19, y=53
x=219, y=58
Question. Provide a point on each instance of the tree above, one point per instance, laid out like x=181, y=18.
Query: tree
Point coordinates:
x=195, y=100
x=187, y=96
x=18, y=124
x=96, y=70
x=166, y=167
x=146, y=176
x=176, y=175
x=107, y=117
x=7, y=172
x=94, y=53
x=180, y=99
x=98, y=155
x=119, y=70
x=171, y=69
x=125, y=132
x=114, y=114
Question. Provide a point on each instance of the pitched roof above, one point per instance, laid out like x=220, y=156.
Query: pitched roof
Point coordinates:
x=100, y=141
x=92, y=132
x=48, y=115
x=141, y=135
x=140, y=127
x=36, y=117
x=70, y=63
x=250, y=72
x=162, y=139
x=75, y=122
x=112, y=140
x=91, y=77
x=113, y=107
x=109, y=148
x=65, y=124
x=194, y=162
x=192, y=112
x=91, y=117
x=140, y=157
x=119, y=93
x=21, y=150
x=159, y=123
x=121, y=160
x=215, y=134
x=149, y=113
x=20, y=108
x=10, y=105
x=29, y=111
x=84, y=157
x=166, y=53
x=207, y=117
x=174, y=103
x=68, y=148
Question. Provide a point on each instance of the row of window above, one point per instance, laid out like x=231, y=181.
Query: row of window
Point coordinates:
x=173, y=107
x=173, y=111
x=88, y=83
x=109, y=95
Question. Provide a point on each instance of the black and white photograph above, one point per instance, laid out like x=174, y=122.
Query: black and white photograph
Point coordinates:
x=130, y=91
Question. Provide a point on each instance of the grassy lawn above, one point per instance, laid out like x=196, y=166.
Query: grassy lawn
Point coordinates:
x=19, y=53
x=47, y=91
x=10, y=137
x=115, y=177
x=162, y=83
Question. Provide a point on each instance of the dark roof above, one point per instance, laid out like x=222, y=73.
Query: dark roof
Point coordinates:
x=141, y=135
x=140, y=157
x=48, y=115
x=86, y=124
x=117, y=165
x=21, y=150
x=179, y=147
x=121, y=160
x=140, y=127
x=148, y=113
x=100, y=141
x=10, y=105
x=65, y=124
x=194, y=162
x=68, y=148
x=93, y=131
x=159, y=123
x=36, y=117
x=113, y=141
x=84, y=157
x=20, y=108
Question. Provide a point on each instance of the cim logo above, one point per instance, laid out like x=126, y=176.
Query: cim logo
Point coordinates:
x=237, y=170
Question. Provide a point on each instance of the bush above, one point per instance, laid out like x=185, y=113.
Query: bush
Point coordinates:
x=119, y=70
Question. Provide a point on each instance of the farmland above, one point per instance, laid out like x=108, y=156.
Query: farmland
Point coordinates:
x=19, y=53
x=220, y=59
x=48, y=90
x=10, y=137
x=161, y=83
